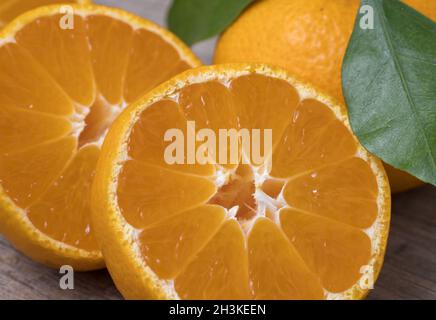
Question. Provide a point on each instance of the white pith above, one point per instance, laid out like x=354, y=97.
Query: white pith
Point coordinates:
x=375, y=232
x=78, y=117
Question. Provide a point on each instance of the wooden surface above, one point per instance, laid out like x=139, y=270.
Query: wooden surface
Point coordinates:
x=410, y=264
x=409, y=271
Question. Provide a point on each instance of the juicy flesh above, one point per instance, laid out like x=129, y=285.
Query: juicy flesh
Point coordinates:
x=294, y=229
x=59, y=92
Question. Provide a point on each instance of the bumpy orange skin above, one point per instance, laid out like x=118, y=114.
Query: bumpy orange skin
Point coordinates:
x=308, y=38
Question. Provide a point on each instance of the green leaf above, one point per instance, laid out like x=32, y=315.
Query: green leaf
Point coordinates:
x=196, y=20
x=389, y=84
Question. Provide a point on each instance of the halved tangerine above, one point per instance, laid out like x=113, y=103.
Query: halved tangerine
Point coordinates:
x=61, y=86
x=311, y=222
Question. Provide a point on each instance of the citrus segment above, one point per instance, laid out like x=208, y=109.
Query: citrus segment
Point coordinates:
x=148, y=193
x=170, y=244
x=264, y=103
x=210, y=105
x=26, y=175
x=239, y=231
x=25, y=84
x=314, y=138
x=151, y=62
x=352, y=181
x=276, y=269
x=61, y=212
x=29, y=127
x=65, y=77
x=108, y=40
x=147, y=141
x=70, y=63
x=220, y=270
x=333, y=250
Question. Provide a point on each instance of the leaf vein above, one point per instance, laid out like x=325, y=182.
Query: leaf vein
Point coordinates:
x=417, y=59
x=386, y=33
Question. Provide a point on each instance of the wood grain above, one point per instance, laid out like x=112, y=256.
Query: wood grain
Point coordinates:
x=409, y=271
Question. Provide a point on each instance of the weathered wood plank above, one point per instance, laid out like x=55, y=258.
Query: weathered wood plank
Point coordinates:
x=409, y=271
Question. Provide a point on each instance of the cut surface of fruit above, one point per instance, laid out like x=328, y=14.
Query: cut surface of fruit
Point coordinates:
x=60, y=89
x=10, y=9
x=303, y=224
x=307, y=38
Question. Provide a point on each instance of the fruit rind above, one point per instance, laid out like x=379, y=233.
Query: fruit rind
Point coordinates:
x=309, y=39
x=14, y=223
x=40, y=247
x=8, y=32
x=133, y=277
